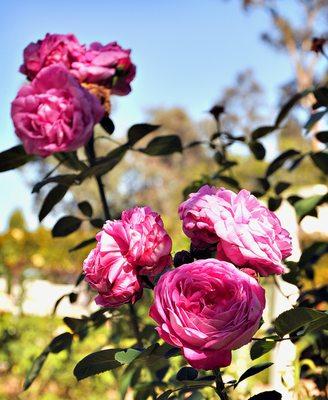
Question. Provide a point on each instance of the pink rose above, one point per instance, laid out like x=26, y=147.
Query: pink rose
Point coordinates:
x=207, y=308
x=246, y=232
x=53, y=49
x=108, y=65
x=128, y=248
x=54, y=113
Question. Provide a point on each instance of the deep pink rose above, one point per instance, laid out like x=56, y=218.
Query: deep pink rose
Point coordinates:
x=54, y=113
x=207, y=308
x=53, y=49
x=128, y=248
x=246, y=232
x=108, y=65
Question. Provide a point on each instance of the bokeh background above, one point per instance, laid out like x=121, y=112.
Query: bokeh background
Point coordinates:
x=189, y=55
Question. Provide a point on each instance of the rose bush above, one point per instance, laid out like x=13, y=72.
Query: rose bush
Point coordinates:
x=127, y=249
x=54, y=113
x=245, y=231
x=207, y=308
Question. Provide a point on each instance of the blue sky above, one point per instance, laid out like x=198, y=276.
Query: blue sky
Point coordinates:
x=186, y=52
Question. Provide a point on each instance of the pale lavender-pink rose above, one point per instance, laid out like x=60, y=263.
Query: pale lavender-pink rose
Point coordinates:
x=207, y=308
x=245, y=231
x=54, y=113
x=108, y=65
x=136, y=245
x=52, y=49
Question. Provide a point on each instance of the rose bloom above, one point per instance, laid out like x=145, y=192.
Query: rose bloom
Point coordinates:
x=54, y=113
x=127, y=249
x=207, y=308
x=53, y=49
x=247, y=233
x=109, y=65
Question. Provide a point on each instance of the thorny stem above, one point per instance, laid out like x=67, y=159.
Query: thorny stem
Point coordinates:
x=220, y=389
x=90, y=151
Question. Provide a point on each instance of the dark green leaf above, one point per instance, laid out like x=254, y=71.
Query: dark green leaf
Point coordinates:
x=274, y=203
x=85, y=208
x=60, y=342
x=262, y=131
x=280, y=160
x=260, y=347
x=320, y=159
x=55, y=195
x=13, y=158
x=321, y=95
x=218, y=157
x=187, y=374
x=83, y=244
x=35, y=369
x=97, y=222
x=296, y=318
x=66, y=180
x=281, y=186
x=70, y=160
x=58, y=302
x=322, y=136
x=105, y=164
x=269, y=395
x=127, y=356
x=254, y=370
x=108, y=125
x=163, y=145
x=264, y=183
x=165, y=395
x=96, y=363
x=289, y=105
x=230, y=181
x=75, y=324
x=66, y=225
x=139, y=131
x=315, y=118
x=295, y=163
x=72, y=297
x=257, y=149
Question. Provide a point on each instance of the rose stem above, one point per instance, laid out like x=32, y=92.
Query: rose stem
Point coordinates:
x=220, y=389
x=90, y=151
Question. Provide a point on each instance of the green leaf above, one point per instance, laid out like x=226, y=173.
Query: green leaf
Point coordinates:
x=262, y=131
x=66, y=180
x=286, y=108
x=104, y=164
x=274, y=203
x=230, y=181
x=321, y=95
x=253, y=371
x=97, y=222
x=322, y=136
x=75, y=324
x=320, y=159
x=13, y=158
x=257, y=149
x=280, y=160
x=281, y=187
x=260, y=347
x=35, y=369
x=96, y=363
x=83, y=244
x=127, y=356
x=165, y=395
x=55, y=195
x=60, y=343
x=296, y=318
x=268, y=395
x=163, y=145
x=108, y=125
x=66, y=225
x=85, y=208
x=314, y=119
x=139, y=131
x=70, y=160
x=187, y=374
x=306, y=206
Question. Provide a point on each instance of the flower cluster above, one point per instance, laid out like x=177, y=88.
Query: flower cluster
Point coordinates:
x=206, y=306
x=66, y=96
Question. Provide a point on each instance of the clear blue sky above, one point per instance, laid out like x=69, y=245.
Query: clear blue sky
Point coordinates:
x=186, y=52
